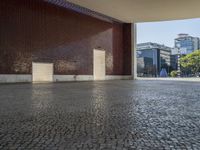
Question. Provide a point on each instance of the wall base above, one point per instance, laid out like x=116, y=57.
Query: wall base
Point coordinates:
x=117, y=77
x=15, y=78
x=64, y=78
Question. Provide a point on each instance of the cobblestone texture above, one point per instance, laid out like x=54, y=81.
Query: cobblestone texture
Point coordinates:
x=110, y=115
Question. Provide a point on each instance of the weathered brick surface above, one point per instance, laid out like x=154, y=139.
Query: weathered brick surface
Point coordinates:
x=111, y=115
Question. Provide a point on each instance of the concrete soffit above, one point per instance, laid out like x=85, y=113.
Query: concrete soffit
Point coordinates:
x=133, y=11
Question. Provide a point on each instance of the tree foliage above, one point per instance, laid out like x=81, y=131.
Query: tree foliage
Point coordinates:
x=191, y=62
x=174, y=73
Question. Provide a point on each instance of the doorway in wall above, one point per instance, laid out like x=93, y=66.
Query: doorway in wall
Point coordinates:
x=42, y=72
x=99, y=68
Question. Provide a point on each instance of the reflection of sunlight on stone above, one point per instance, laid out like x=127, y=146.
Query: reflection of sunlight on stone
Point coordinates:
x=41, y=99
x=99, y=98
x=99, y=94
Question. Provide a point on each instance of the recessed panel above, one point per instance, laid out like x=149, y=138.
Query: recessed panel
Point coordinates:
x=42, y=72
x=99, y=65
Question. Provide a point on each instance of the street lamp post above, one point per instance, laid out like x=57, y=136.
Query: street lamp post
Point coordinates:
x=179, y=64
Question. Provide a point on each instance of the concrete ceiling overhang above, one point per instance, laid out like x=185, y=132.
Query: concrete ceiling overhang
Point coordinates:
x=143, y=10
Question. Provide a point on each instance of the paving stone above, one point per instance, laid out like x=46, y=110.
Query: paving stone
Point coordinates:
x=110, y=115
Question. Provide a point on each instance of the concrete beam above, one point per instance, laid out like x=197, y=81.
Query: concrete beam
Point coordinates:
x=143, y=10
x=134, y=50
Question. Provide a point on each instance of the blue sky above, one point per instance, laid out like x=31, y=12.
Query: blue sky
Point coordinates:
x=165, y=32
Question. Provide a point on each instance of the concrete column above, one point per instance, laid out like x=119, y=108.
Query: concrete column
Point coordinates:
x=134, y=48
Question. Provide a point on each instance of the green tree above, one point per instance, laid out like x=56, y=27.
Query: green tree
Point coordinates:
x=191, y=62
x=174, y=73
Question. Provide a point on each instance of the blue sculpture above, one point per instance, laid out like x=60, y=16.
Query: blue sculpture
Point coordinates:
x=163, y=73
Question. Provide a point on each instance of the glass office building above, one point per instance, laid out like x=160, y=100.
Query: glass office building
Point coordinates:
x=159, y=55
x=186, y=43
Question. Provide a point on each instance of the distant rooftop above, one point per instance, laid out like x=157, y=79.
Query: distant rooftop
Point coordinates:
x=183, y=36
x=150, y=45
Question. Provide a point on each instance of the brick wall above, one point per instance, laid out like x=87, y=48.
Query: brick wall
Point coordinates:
x=37, y=31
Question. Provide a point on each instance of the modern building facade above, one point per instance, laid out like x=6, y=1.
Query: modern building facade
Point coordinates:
x=187, y=43
x=59, y=41
x=160, y=56
x=145, y=67
x=174, y=61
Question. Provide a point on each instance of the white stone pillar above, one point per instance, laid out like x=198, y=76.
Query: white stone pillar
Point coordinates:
x=134, y=48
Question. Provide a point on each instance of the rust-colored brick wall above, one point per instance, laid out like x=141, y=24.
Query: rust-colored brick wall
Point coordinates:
x=37, y=31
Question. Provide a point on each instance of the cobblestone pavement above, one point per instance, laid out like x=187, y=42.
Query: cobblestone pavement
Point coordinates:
x=110, y=115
